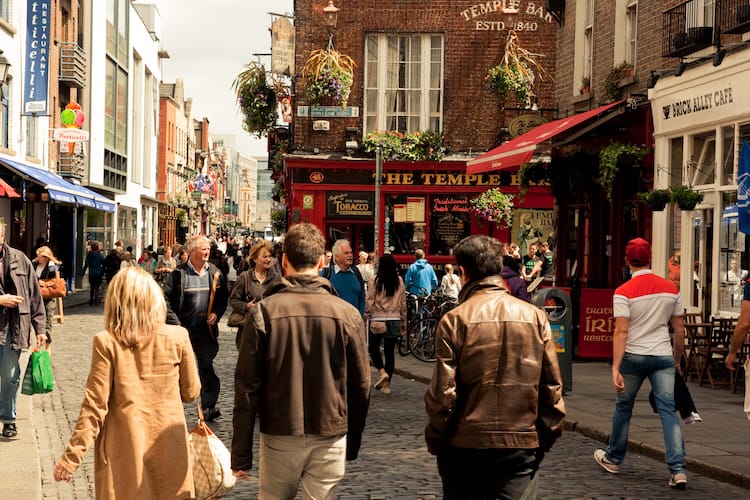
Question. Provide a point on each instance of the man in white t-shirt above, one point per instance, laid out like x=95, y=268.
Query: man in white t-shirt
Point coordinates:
x=641, y=349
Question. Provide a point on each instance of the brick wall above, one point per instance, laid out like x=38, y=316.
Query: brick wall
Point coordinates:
x=472, y=120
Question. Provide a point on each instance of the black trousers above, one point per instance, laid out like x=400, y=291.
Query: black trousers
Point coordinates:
x=492, y=473
x=206, y=347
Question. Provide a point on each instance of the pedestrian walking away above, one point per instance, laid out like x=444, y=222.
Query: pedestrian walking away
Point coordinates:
x=95, y=264
x=302, y=369
x=140, y=442
x=492, y=348
x=386, y=311
x=643, y=309
x=197, y=297
x=22, y=325
x=420, y=278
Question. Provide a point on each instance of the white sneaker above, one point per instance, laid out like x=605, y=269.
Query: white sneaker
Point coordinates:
x=692, y=418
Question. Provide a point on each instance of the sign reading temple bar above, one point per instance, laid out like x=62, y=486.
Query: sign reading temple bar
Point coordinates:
x=350, y=205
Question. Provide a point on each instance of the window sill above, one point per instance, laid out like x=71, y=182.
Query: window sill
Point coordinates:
x=582, y=98
x=628, y=80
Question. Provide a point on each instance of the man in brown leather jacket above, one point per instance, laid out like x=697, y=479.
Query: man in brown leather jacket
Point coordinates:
x=303, y=369
x=495, y=400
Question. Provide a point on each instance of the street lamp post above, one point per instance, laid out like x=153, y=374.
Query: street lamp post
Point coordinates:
x=331, y=13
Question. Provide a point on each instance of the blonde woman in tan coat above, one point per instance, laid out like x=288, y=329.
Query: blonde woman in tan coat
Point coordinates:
x=385, y=307
x=142, y=370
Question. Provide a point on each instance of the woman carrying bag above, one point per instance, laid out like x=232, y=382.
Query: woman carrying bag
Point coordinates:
x=386, y=309
x=251, y=284
x=47, y=267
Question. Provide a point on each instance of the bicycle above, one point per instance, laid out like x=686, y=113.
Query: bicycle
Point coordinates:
x=420, y=336
x=414, y=303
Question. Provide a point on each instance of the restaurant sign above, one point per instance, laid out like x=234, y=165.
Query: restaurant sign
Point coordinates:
x=350, y=205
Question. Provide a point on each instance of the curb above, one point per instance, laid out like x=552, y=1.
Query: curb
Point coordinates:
x=695, y=466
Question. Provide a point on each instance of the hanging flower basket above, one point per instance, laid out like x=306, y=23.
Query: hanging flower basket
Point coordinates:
x=329, y=75
x=686, y=197
x=256, y=98
x=494, y=205
x=516, y=73
x=657, y=199
x=609, y=162
x=409, y=146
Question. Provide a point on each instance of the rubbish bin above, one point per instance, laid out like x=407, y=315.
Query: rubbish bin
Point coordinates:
x=556, y=303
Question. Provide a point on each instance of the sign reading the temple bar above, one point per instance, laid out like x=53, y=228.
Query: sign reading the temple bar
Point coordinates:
x=350, y=205
x=328, y=111
x=509, y=10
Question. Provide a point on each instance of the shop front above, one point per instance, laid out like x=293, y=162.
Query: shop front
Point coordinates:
x=701, y=119
x=423, y=205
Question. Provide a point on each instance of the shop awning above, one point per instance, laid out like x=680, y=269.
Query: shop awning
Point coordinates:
x=520, y=150
x=58, y=188
x=7, y=190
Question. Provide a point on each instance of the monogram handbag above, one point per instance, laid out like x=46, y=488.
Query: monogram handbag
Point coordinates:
x=212, y=471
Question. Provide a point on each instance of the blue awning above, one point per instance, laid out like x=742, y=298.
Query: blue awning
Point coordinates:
x=59, y=189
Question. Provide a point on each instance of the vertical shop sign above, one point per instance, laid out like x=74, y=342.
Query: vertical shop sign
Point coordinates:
x=36, y=75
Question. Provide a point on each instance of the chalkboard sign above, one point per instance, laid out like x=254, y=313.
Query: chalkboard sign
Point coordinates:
x=449, y=223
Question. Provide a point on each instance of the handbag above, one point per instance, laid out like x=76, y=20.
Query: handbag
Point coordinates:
x=212, y=471
x=38, y=378
x=378, y=327
x=238, y=318
x=747, y=387
x=53, y=288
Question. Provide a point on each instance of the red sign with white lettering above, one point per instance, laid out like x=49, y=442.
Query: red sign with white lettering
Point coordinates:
x=596, y=324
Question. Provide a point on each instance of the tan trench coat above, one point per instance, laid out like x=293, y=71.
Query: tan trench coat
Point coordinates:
x=133, y=412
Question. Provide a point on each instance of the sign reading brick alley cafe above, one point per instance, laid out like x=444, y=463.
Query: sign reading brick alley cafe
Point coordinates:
x=350, y=205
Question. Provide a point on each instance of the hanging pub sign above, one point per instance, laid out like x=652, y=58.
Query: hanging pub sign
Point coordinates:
x=350, y=205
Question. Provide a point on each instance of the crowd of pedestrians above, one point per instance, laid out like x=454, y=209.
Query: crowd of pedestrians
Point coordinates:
x=313, y=315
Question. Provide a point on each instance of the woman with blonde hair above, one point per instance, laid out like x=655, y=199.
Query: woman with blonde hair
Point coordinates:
x=142, y=370
x=47, y=266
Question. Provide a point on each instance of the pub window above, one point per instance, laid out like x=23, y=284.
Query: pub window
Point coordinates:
x=403, y=82
x=406, y=231
x=733, y=269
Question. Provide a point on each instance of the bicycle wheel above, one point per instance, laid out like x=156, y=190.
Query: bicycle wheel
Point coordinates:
x=422, y=342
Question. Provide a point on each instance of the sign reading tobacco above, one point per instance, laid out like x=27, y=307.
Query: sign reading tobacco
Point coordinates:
x=350, y=205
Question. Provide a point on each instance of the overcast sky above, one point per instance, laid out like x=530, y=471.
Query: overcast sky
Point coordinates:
x=208, y=43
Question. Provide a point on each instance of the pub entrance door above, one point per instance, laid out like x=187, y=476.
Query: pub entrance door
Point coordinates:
x=360, y=235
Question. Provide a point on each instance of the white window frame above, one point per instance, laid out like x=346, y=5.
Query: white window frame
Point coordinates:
x=631, y=23
x=375, y=89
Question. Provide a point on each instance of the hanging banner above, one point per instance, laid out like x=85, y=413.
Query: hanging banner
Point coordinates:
x=36, y=74
x=743, y=188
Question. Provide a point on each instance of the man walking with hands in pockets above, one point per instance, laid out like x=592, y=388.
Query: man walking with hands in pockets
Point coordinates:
x=641, y=349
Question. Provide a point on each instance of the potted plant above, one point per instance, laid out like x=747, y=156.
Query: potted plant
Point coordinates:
x=256, y=99
x=657, y=199
x=494, y=205
x=585, y=85
x=329, y=75
x=611, y=85
x=609, y=160
x=516, y=73
x=409, y=146
x=686, y=197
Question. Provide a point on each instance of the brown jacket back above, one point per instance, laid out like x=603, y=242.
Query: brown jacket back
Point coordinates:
x=496, y=382
x=302, y=367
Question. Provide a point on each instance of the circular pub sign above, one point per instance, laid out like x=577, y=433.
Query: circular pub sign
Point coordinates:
x=522, y=124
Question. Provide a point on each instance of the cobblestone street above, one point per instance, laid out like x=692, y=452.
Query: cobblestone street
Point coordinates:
x=393, y=462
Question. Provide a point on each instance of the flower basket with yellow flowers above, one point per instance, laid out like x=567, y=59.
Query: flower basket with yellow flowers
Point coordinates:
x=329, y=75
x=494, y=205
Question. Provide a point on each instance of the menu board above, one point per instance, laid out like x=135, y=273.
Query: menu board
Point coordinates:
x=449, y=223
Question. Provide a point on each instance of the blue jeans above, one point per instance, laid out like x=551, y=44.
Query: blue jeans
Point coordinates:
x=10, y=374
x=660, y=372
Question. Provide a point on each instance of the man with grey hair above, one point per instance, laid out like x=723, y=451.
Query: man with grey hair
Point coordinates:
x=21, y=311
x=197, y=296
x=345, y=277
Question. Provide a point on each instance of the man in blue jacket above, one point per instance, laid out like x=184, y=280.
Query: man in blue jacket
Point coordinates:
x=420, y=277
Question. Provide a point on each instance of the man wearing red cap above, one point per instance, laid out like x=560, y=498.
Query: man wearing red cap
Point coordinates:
x=641, y=349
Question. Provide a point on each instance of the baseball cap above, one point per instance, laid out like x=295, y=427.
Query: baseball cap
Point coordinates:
x=638, y=252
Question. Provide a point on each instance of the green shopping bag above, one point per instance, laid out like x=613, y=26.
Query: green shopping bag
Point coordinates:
x=38, y=378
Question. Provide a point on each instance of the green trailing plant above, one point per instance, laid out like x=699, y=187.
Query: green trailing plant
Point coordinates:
x=278, y=220
x=408, y=146
x=611, y=84
x=656, y=199
x=256, y=98
x=328, y=74
x=534, y=173
x=516, y=74
x=686, y=197
x=609, y=162
x=494, y=205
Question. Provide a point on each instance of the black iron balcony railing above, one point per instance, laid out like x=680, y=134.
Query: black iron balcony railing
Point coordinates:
x=72, y=64
x=734, y=16
x=687, y=28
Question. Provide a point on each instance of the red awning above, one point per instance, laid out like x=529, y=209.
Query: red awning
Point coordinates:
x=7, y=190
x=520, y=150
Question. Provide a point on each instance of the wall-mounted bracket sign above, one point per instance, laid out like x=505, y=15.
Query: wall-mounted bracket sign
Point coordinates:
x=328, y=111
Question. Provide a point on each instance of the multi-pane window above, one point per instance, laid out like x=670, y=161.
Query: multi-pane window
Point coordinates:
x=403, y=82
x=116, y=84
x=4, y=116
x=631, y=16
x=32, y=149
x=588, y=39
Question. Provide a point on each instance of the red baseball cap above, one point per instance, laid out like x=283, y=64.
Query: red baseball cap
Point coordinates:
x=638, y=252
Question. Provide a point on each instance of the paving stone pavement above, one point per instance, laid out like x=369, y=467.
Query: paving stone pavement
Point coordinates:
x=393, y=462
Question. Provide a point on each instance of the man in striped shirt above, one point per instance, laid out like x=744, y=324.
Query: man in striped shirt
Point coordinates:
x=641, y=349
